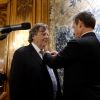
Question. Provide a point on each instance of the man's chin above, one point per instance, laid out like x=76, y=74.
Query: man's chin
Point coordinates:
x=43, y=46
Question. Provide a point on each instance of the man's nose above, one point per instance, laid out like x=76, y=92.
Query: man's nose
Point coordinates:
x=47, y=36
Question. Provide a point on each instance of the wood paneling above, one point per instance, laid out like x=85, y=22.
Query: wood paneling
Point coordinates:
x=38, y=10
x=45, y=11
x=3, y=1
x=42, y=11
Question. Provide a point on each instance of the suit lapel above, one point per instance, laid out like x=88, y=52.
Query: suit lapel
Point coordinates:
x=35, y=54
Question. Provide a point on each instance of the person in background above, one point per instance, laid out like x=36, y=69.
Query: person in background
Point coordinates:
x=80, y=60
x=30, y=78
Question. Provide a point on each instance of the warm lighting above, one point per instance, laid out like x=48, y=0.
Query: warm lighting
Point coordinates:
x=1, y=65
x=21, y=39
x=3, y=1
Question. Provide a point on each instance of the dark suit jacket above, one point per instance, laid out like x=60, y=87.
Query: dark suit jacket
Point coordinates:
x=81, y=62
x=29, y=78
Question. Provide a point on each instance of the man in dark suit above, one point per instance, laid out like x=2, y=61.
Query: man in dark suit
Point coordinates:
x=81, y=61
x=30, y=78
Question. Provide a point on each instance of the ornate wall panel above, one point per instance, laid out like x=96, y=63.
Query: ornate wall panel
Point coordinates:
x=3, y=1
x=3, y=44
x=42, y=11
x=24, y=8
x=61, y=15
x=3, y=14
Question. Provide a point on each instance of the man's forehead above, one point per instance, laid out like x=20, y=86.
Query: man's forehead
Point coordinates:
x=43, y=29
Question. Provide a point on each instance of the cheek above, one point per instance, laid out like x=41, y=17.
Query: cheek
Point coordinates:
x=43, y=41
x=75, y=30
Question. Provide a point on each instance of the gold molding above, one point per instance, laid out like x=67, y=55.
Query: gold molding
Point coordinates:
x=3, y=14
x=24, y=8
x=3, y=1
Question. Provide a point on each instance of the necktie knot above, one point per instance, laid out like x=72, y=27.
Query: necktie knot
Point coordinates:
x=42, y=52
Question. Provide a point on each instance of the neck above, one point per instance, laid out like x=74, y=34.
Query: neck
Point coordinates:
x=85, y=30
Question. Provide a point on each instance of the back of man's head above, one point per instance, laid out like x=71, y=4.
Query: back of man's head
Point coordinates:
x=87, y=18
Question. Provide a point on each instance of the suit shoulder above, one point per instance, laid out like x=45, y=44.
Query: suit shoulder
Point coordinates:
x=21, y=50
x=74, y=41
x=80, y=40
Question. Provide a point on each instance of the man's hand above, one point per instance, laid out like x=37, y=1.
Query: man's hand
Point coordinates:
x=53, y=53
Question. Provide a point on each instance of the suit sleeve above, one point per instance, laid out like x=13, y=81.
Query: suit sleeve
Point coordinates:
x=67, y=55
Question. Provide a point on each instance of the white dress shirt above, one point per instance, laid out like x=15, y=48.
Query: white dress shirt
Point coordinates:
x=50, y=70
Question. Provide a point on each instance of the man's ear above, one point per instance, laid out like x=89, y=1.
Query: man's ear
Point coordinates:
x=81, y=24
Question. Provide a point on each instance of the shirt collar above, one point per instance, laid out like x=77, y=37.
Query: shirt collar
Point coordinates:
x=86, y=33
x=36, y=47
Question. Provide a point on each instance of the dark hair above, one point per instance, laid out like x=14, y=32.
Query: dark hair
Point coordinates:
x=35, y=30
x=87, y=18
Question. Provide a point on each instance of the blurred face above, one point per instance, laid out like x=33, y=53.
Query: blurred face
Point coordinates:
x=77, y=29
x=41, y=38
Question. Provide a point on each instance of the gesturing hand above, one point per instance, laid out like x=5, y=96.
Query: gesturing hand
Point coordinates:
x=53, y=53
